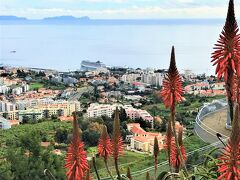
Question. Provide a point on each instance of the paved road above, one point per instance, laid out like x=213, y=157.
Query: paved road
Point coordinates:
x=207, y=134
x=79, y=93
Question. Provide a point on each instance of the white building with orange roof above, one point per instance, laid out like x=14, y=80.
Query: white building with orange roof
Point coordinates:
x=143, y=141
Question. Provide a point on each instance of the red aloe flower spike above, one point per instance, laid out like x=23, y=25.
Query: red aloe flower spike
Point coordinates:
x=155, y=154
x=172, y=84
x=226, y=54
x=229, y=168
x=172, y=94
x=104, y=148
x=117, y=144
x=76, y=158
x=175, y=156
x=104, y=144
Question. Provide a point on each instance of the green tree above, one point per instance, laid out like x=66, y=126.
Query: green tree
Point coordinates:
x=90, y=138
x=61, y=135
x=25, y=119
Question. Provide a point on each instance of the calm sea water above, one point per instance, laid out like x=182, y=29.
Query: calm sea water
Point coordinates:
x=63, y=47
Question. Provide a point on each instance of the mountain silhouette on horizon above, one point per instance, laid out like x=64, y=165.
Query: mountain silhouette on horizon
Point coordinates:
x=68, y=19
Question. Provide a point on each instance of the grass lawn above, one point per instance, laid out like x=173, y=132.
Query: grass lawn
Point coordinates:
x=135, y=161
x=138, y=162
x=36, y=85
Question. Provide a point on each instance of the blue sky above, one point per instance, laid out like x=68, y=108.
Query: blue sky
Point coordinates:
x=108, y=9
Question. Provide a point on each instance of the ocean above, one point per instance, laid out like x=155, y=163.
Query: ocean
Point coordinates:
x=63, y=47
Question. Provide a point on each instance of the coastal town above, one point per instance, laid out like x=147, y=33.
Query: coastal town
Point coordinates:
x=85, y=93
x=30, y=95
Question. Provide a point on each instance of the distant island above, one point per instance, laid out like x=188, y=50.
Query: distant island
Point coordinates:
x=66, y=18
x=11, y=18
x=85, y=20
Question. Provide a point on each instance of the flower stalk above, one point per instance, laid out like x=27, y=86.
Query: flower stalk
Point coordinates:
x=129, y=173
x=95, y=167
x=168, y=142
x=117, y=144
x=155, y=154
x=172, y=94
x=147, y=176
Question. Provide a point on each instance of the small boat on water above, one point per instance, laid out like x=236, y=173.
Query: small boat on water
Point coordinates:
x=13, y=51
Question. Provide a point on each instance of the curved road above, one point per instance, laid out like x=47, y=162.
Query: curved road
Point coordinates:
x=206, y=133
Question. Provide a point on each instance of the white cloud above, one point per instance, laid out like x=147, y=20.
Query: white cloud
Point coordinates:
x=90, y=1
x=185, y=1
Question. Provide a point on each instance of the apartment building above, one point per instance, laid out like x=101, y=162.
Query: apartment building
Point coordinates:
x=4, y=89
x=153, y=78
x=32, y=114
x=8, y=110
x=60, y=108
x=37, y=109
x=21, y=89
x=133, y=113
x=129, y=78
x=147, y=78
x=98, y=110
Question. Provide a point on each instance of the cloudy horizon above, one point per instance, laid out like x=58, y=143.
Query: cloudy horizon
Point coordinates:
x=117, y=9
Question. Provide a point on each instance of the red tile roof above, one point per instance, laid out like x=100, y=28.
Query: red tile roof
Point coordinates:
x=137, y=130
x=66, y=118
x=153, y=134
x=14, y=122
